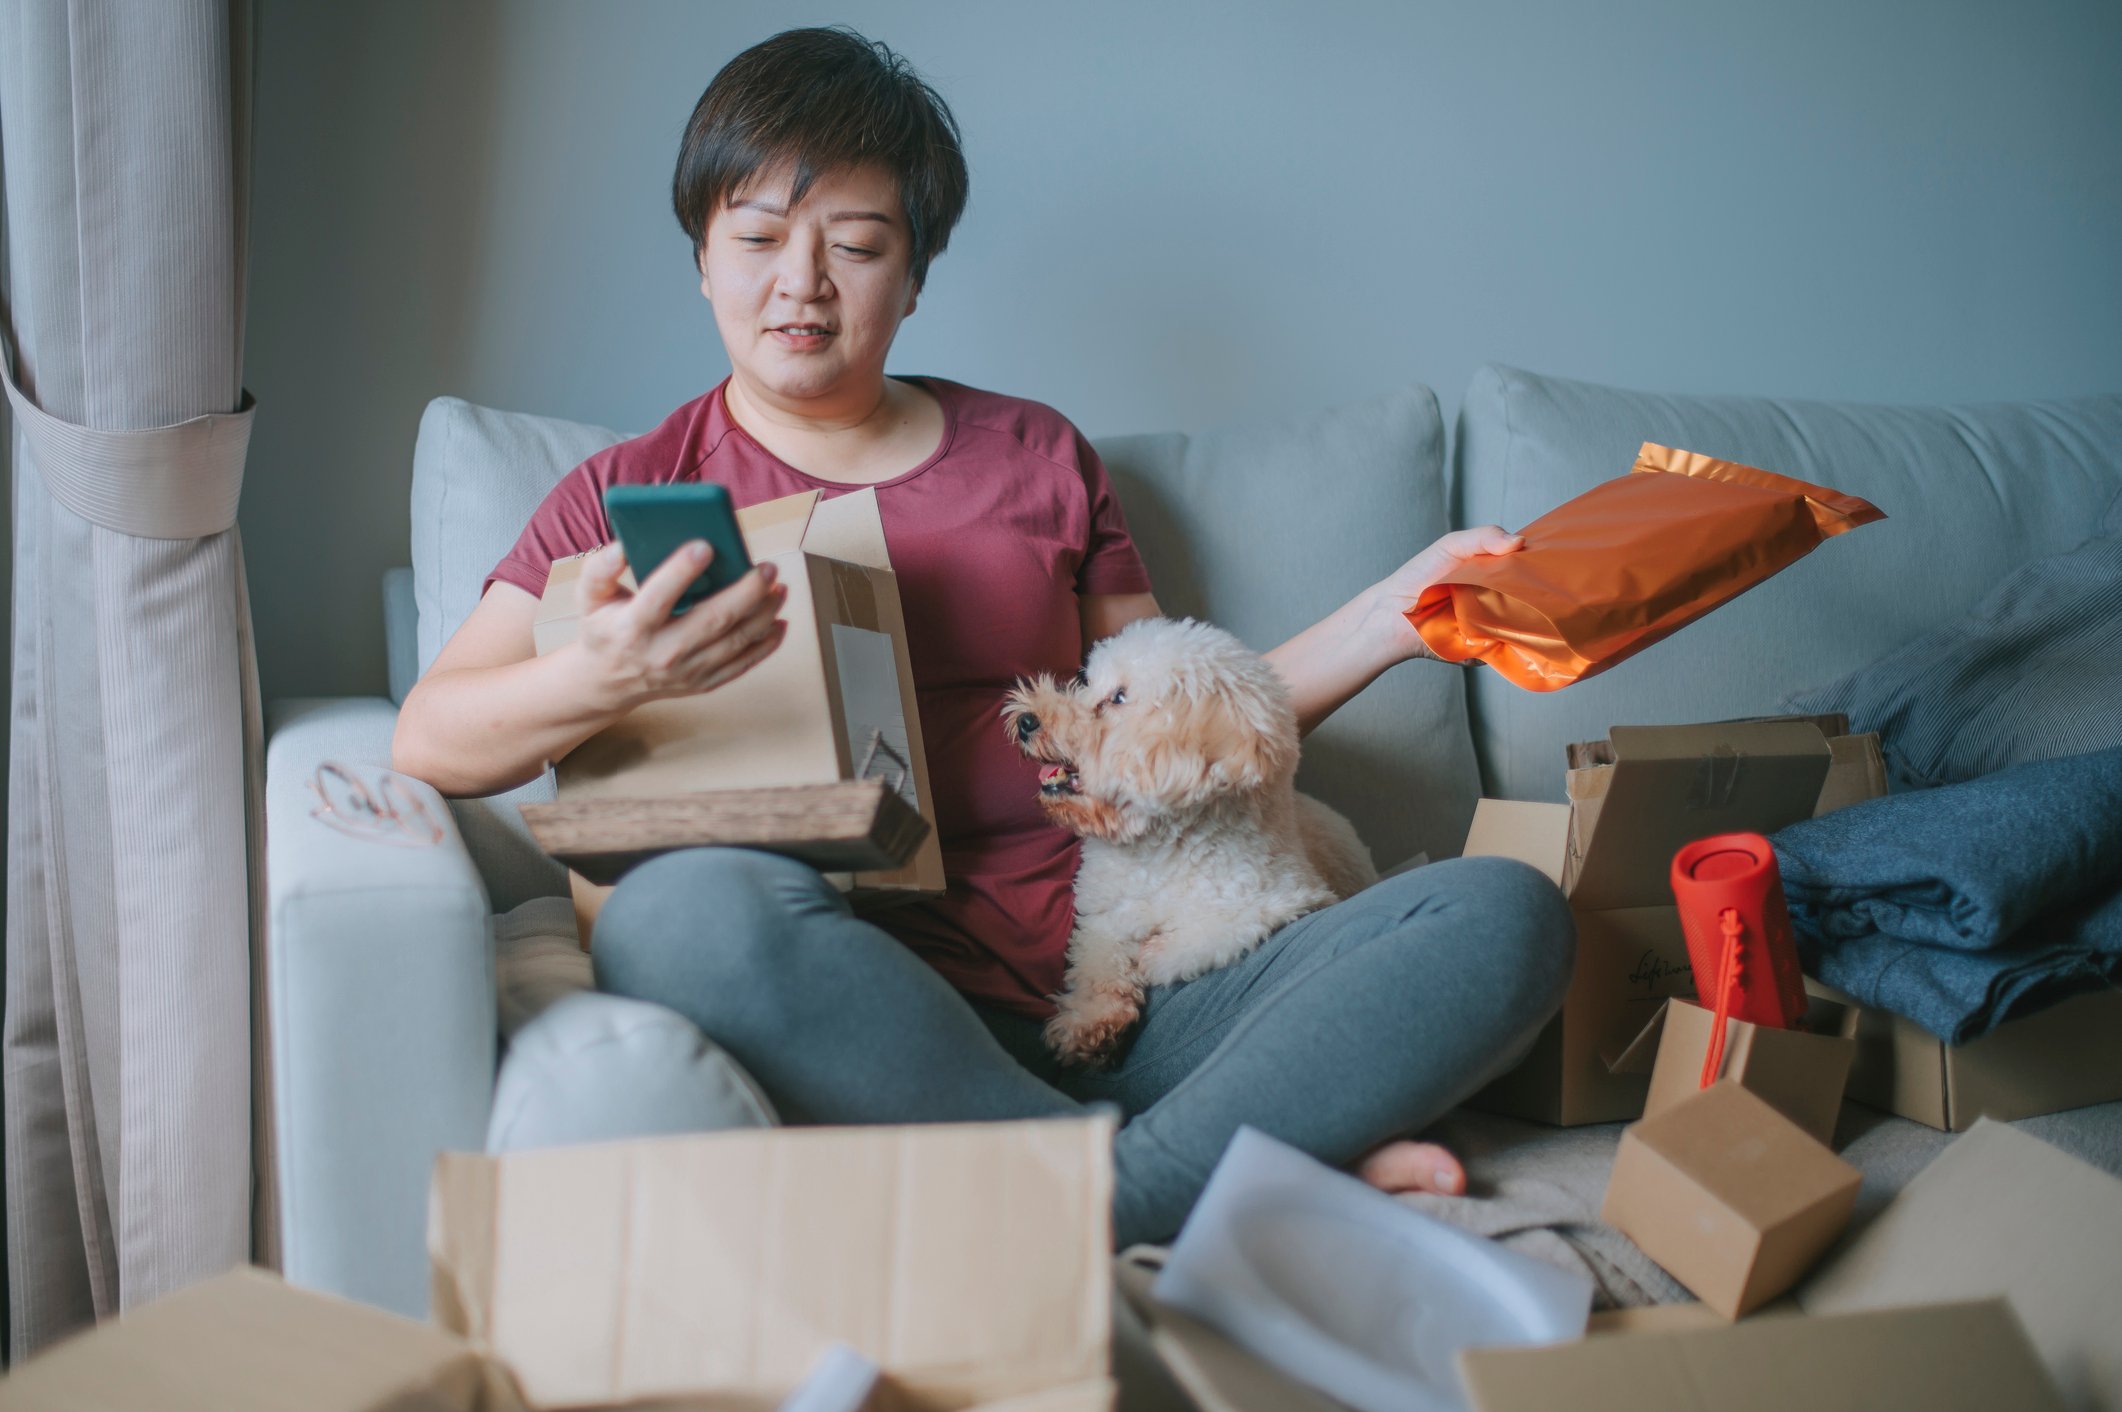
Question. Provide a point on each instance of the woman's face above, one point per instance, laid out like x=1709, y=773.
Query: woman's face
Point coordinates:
x=809, y=299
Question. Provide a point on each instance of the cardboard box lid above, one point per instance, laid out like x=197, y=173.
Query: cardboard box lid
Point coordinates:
x=970, y=1261
x=849, y=528
x=1941, y=1358
x=2001, y=1213
x=1670, y=785
x=247, y=1342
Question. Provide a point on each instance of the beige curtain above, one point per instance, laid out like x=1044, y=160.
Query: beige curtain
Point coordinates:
x=133, y=754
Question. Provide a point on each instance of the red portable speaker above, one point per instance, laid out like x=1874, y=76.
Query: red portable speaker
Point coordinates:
x=1738, y=935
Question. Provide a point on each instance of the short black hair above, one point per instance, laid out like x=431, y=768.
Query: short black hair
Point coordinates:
x=815, y=101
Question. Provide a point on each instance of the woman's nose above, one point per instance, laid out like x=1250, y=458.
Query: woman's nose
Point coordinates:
x=802, y=275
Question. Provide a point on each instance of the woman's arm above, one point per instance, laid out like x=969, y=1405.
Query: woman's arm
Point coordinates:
x=1104, y=614
x=1329, y=662
x=491, y=713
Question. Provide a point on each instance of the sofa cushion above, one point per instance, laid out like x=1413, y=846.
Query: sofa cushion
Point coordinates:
x=1970, y=493
x=2034, y=671
x=478, y=473
x=1263, y=528
x=601, y=1068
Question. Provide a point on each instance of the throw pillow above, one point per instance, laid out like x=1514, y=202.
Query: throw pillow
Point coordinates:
x=2033, y=672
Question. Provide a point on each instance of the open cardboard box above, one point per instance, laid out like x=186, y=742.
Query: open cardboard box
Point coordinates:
x=1633, y=803
x=970, y=1262
x=1800, y=1073
x=835, y=701
x=245, y=1342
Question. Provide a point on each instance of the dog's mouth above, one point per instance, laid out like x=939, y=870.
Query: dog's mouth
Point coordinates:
x=1058, y=781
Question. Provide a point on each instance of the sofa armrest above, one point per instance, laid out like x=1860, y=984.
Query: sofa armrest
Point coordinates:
x=381, y=1004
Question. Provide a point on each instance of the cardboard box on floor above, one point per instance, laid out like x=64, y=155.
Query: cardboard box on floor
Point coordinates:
x=246, y=1342
x=814, y=712
x=1731, y=1197
x=1633, y=803
x=1801, y=1073
x=971, y=1262
x=1970, y=1357
x=2067, y=1056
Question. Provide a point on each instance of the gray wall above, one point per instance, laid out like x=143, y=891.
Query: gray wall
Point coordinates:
x=1181, y=215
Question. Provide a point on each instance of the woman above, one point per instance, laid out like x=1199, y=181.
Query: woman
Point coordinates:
x=817, y=179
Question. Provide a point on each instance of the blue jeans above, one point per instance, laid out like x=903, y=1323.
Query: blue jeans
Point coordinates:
x=1355, y=1024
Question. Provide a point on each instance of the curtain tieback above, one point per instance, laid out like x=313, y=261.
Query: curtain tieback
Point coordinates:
x=181, y=481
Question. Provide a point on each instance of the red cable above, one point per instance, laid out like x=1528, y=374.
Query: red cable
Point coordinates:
x=1729, y=922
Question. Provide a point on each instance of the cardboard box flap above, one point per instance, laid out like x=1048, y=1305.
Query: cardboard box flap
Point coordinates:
x=1944, y=1358
x=1537, y=834
x=246, y=1342
x=776, y=526
x=849, y=528
x=970, y=1261
x=2001, y=1213
x=1639, y=1053
x=1673, y=784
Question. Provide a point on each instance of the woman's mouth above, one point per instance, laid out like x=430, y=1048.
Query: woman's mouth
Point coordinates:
x=1058, y=780
x=802, y=336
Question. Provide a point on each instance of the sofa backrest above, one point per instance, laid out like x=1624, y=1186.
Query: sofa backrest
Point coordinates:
x=1970, y=493
x=1262, y=530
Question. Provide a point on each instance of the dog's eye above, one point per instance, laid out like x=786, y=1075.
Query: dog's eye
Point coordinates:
x=1118, y=698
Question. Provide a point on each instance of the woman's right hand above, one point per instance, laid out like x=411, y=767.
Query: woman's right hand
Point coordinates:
x=638, y=652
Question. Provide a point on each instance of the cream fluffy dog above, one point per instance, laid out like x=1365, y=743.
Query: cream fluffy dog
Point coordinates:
x=1172, y=756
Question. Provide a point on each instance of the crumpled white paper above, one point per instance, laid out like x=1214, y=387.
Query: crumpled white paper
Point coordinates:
x=1341, y=1286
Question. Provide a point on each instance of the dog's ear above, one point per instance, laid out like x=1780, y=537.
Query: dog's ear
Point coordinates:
x=1246, y=732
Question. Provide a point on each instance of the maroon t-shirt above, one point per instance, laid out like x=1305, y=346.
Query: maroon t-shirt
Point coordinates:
x=992, y=538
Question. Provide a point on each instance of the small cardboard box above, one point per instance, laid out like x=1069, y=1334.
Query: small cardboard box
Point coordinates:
x=1633, y=803
x=1800, y=1073
x=1732, y=1198
x=245, y=1342
x=834, y=702
x=1971, y=1357
x=970, y=1262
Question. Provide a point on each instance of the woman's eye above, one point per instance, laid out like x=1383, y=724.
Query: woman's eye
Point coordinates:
x=857, y=250
x=754, y=240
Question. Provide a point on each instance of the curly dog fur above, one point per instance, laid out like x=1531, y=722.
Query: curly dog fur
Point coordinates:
x=1173, y=757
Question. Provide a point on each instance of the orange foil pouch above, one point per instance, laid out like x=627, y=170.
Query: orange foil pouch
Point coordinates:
x=1627, y=563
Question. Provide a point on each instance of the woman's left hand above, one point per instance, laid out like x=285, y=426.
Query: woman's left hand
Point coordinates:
x=1395, y=595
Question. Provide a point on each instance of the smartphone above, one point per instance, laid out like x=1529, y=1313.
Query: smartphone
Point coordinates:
x=654, y=521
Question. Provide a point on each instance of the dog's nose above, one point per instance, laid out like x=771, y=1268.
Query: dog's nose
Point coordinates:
x=1027, y=727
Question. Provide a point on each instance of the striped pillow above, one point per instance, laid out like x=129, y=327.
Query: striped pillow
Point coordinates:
x=2033, y=672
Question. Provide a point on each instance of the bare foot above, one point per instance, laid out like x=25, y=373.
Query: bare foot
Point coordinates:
x=1406, y=1165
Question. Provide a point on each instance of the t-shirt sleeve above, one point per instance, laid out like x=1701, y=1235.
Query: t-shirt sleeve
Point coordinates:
x=1111, y=563
x=568, y=521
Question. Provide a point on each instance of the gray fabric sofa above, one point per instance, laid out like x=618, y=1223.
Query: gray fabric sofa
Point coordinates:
x=382, y=985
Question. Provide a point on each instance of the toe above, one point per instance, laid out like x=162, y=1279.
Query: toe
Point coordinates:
x=1414, y=1166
